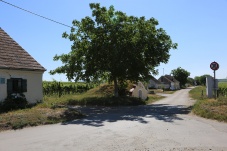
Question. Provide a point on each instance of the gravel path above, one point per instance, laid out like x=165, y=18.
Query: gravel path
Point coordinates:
x=166, y=125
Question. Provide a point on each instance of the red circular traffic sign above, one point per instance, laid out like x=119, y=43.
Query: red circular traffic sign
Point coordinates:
x=214, y=65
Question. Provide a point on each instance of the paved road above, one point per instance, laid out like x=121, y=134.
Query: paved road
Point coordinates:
x=164, y=125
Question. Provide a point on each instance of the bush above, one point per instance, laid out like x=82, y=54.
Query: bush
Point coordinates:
x=122, y=92
x=14, y=101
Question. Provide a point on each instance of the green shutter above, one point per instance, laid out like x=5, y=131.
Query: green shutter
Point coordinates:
x=24, y=85
x=9, y=86
x=19, y=83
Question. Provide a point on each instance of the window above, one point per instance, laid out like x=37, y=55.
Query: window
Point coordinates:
x=2, y=80
x=16, y=85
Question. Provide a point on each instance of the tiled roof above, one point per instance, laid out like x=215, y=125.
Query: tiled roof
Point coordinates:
x=167, y=79
x=171, y=78
x=155, y=80
x=164, y=79
x=13, y=56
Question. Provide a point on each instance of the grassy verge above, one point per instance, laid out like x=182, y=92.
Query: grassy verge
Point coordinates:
x=36, y=116
x=153, y=98
x=209, y=108
x=55, y=110
x=161, y=91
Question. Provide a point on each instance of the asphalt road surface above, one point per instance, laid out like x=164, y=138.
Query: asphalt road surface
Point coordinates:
x=165, y=125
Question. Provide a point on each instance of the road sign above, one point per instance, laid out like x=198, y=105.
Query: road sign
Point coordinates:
x=214, y=65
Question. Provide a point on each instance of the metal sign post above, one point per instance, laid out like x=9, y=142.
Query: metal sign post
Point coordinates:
x=215, y=90
x=214, y=66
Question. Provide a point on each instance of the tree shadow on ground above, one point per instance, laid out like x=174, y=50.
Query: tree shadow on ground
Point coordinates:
x=96, y=116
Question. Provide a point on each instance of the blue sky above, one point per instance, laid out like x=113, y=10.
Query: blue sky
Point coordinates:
x=198, y=26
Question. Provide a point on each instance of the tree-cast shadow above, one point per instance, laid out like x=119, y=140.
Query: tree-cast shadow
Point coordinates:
x=96, y=116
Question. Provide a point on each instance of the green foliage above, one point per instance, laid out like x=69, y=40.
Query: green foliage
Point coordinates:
x=14, y=102
x=222, y=89
x=114, y=46
x=201, y=80
x=222, y=84
x=153, y=98
x=190, y=81
x=63, y=88
x=198, y=93
x=181, y=75
x=209, y=108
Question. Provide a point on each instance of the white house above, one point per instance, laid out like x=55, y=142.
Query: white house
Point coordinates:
x=170, y=82
x=19, y=72
x=154, y=83
x=139, y=91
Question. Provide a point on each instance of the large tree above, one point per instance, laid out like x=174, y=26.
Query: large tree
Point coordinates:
x=181, y=75
x=201, y=80
x=114, y=44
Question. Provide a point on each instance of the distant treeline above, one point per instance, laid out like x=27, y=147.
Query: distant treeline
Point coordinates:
x=63, y=88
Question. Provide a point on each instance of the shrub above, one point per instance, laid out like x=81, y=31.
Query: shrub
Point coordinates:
x=14, y=101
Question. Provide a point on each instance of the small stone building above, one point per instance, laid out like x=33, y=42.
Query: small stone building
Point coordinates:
x=139, y=91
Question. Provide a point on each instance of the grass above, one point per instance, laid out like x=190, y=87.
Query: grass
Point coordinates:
x=55, y=110
x=153, y=98
x=209, y=108
x=36, y=116
x=161, y=91
x=222, y=84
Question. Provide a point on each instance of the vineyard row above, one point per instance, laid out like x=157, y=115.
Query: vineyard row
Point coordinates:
x=222, y=91
x=61, y=88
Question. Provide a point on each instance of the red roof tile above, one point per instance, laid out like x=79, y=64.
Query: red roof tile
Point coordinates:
x=13, y=56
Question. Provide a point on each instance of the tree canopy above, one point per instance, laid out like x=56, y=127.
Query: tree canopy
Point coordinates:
x=201, y=80
x=114, y=45
x=181, y=75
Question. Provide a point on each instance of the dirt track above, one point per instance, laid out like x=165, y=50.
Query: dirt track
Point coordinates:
x=164, y=125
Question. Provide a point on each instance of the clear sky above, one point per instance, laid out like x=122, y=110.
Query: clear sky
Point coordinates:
x=198, y=26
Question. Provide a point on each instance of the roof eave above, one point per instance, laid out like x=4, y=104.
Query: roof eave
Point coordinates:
x=24, y=69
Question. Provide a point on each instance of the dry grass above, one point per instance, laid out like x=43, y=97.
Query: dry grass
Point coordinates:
x=153, y=98
x=54, y=109
x=161, y=91
x=209, y=108
x=35, y=116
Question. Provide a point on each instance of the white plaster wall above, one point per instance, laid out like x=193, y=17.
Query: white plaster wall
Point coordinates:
x=141, y=87
x=34, y=84
x=177, y=85
x=151, y=84
x=172, y=86
x=165, y=86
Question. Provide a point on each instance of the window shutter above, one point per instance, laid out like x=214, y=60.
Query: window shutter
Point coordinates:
x=9, y=86
x=24, y=85
x=19, y=83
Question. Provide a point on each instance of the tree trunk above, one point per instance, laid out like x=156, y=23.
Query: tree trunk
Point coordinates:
x=115, y=88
